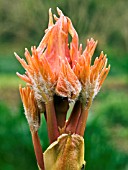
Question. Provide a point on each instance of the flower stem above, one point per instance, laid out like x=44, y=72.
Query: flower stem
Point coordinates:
x=38, y=149
x=82, y=122
x=83, y=118
x=51, y=121
x=74, y=117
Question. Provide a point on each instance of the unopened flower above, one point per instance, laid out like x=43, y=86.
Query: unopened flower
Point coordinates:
x=30, y=106
x=49, y=69
x=58, y=73
x=38, y=74
x=91, y=76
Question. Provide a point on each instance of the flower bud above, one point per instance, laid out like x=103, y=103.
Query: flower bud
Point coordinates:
x=30, y=106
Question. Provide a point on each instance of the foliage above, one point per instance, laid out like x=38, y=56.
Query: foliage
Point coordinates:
x=107, y=125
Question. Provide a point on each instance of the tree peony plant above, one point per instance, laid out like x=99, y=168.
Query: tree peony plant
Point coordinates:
x=58, y=73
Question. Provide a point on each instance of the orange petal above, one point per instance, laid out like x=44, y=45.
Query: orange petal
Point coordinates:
x=68, y=84
x=24, y=78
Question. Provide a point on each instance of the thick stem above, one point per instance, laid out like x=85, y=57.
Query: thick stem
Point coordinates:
x=83, y=117
x=52, y=126
x=38, y=149
x=82, y=122
x=74, y=117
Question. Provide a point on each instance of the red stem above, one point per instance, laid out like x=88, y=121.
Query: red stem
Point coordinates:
x=52, y=126
x=38, y=150
x=83, y=117
x=74, y=117
x=82, y=122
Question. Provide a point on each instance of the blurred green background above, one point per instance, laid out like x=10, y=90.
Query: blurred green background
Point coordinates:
x=22, y=24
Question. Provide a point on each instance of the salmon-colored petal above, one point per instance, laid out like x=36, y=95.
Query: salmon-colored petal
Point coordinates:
x=22, y=61
x=90, y=48
x=68, y=84
x=31, y=109
x=104, y=76
x=74, y=43
x=54, y=45
x=24, y=78
x=50, y=18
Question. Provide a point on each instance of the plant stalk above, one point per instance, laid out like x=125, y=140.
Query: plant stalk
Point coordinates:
x=73, y=119
x=83, y=118
x=38, y=149
x=51, y=121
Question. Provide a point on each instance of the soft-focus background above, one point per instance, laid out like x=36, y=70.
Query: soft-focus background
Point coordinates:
x=22, y=24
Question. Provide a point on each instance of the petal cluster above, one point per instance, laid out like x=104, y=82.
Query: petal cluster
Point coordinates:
x=30, y=106
x=59, y=67
x=91, y=76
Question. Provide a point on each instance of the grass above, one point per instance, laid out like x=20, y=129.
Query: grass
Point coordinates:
x=16, y=150
x=10, y=81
